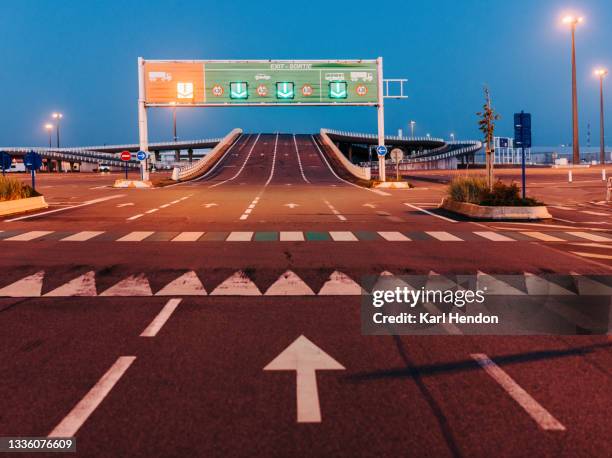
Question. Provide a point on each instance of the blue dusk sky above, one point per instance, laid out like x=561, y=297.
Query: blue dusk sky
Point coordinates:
x=79, y=57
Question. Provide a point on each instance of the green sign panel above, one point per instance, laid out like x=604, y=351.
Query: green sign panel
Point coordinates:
x=290, y=82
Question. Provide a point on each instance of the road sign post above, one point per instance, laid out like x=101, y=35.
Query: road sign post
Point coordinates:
x=143, y=132
x=125, y=157
x=5, y=161
x=33, y=161
x=382, y=173
x=381, y=151
x=397, y=155
x=522, y=139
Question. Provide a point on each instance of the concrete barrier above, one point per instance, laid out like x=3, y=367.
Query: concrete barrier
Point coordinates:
x=203, y=165
x=13, y=207
x=361, y=173
x=132, y=184
x=495, y=213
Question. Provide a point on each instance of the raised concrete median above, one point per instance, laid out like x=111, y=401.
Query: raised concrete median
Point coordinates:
x=495, y=213
x=360, y=174
x=14, y=207
x=199, y=168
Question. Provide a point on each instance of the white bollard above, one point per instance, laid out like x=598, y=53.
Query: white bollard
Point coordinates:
x=569, y=177
x=603, y=174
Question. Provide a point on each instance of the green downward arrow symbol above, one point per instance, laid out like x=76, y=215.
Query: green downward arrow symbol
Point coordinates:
x=338, y=90
x=239, y=91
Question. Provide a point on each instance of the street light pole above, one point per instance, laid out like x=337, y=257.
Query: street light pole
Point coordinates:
x=174, y=136
x=574, y=21
x=49, y=128
x=412, y=123
x=602, y=73
x=57, y=117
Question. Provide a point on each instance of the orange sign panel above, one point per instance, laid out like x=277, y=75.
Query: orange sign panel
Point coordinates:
x=174, y=82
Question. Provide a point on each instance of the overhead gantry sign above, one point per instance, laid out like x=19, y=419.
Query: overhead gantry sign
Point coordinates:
x=224, y=83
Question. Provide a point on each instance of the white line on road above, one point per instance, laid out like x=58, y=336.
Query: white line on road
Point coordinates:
x=28, y=236
x=137, y=236
x=249, y=209
x=273, y=162
x=241, y=167
x=239, y=237
x=595, y=213
x=443, y=236
x=132, y=218
x=82, y=236
x=394, y=236
x=343, y=236
x=588, y=236
x=84, y=204
x=128, y=204
x=335, y=212
x=153, y=210
x=494, y=236
x=297, y=152
x=430, y=213
x=161, y=318
x=188, y=237
x=542, y=236
x=72, y=422
x=541, y=416
x=291, y=236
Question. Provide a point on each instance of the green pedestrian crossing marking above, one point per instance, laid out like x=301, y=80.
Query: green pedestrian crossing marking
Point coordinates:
x=266, y=236
x=317, y=236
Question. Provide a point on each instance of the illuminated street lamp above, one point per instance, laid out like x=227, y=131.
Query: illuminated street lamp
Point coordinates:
x=452, y=136
x=174, y=120
x=573, y=22
x=57, y=117
x=412, y=124
x=49, y=129
x=601, y=73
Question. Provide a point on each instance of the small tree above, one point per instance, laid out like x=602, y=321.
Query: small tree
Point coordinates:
x=486, y=124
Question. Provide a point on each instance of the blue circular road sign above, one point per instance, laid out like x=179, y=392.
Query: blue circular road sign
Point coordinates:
x=141, y=155
x=32, y=160
x=381, y=150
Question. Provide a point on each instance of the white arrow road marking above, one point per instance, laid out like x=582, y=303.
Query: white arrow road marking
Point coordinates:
x=209, y=205
x=541, y=416
x=291, y=205
x=71, y=423
x=305, y=358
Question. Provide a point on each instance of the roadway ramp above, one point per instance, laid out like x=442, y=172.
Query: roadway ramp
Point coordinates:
x=204, y=165
x=344, y=168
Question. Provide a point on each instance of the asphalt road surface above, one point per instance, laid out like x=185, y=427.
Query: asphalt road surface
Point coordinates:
x=141, y=321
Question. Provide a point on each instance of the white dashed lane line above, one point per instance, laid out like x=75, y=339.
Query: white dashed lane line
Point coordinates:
x=153, y=210
x=72, y=422
x=540, y=415
x=161, y=318
x=335, y=212
x=249, y=209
